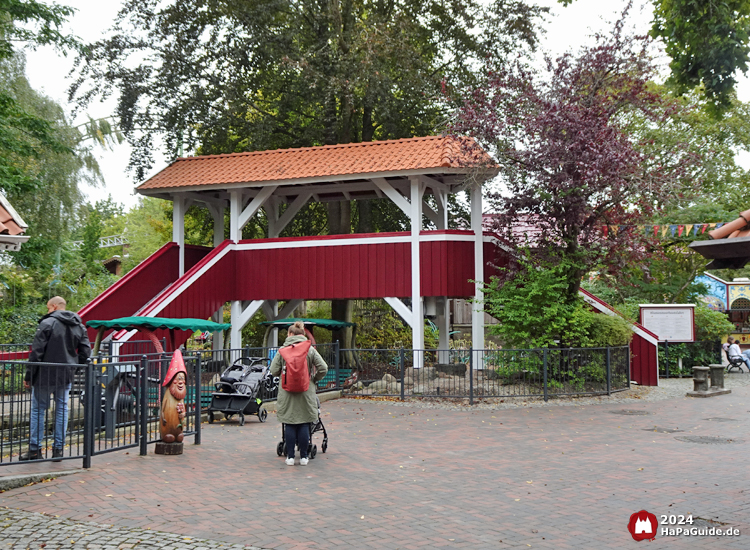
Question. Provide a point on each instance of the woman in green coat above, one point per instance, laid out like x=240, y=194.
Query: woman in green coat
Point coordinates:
x=297, y=410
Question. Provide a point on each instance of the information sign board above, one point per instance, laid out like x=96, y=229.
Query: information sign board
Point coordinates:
x=670, y=322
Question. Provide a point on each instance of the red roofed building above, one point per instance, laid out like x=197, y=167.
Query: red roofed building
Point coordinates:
x=12, y=227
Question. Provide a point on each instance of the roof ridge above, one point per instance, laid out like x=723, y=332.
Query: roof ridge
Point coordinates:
x=379, y=142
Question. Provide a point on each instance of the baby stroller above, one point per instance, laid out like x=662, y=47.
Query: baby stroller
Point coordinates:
x=241, y=388
x=315, y=427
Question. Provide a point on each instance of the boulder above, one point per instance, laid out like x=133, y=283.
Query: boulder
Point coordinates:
x=389, y=378
x=451, y=369
x=379, y=386
x=423, y=374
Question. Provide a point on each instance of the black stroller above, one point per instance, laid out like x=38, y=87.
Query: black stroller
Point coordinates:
x=315, y=427
x=241, y=388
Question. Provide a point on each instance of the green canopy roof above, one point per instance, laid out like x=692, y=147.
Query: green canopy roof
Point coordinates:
x=330, y=324
x=153, y=323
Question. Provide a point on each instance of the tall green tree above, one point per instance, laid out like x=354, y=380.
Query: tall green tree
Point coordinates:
x=708, y=42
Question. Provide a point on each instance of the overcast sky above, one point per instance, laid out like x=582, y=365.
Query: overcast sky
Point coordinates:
x=568, y=29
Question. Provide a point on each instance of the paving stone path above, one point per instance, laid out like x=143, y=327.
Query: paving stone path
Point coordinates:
x=407, y=476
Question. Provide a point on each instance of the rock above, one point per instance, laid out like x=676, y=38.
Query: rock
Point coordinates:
x=423, y=374
x=389, y=378
x=359, y=386
x=408, y=381
x=451, y=369
x=378, y=386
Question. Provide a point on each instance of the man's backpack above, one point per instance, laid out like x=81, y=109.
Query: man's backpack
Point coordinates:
x=295, y=376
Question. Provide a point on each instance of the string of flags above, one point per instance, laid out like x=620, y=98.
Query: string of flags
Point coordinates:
x=661, y=231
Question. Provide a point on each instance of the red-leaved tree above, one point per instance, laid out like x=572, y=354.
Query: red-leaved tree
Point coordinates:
x=570, y=166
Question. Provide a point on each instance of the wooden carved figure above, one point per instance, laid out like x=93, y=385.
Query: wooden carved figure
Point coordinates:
x=173, y=405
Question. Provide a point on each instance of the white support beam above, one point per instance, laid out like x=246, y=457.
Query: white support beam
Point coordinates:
x=417, y=324
x=443, y=323
x=178, y=229
x=401, y=308
x=477, y=313
x=272, y=216
x=241, y=315
x=290, y=212
x=217, y=213
x=435, y=185
x=433, y=216
x=206, y=199
x=255, y=205
x=397, y=198
x=235, y=209
x=288, y=309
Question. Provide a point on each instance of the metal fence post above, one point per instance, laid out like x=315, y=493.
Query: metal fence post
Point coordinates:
x=609, y=372
x=402, y=363
x=88, y=415
x=198, y=404
x=544, y=369
x=143, y=406
x=666, y=357
x=336, y=363
x=628, y=362
x=471, y=376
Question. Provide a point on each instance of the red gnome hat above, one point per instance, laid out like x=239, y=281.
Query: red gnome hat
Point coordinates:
x=176, y=366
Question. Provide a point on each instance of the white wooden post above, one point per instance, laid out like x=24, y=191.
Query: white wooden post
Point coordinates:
x=218, y=336
x=417, y=325
x=477, y=313
x=178, y=230
x=217, y=213
x=444, y=325
x=235, y=209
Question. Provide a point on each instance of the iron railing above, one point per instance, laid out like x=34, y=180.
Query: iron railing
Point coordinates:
x=113, y=403
x=491, y=373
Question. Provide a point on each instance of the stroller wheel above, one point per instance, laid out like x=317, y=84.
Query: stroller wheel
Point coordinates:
x=262, y=415
x=280, y=448
x=210, y=417
x=242, y=419
x=313, y=451
x=324, y=446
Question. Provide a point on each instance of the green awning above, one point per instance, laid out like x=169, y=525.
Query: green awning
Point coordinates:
x=153, y=323
x=330, y=324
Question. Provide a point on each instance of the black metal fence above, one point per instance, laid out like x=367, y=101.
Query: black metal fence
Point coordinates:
x=491, y=373
x=77, y=412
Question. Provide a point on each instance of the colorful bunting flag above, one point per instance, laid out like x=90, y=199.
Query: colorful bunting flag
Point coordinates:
x=688, y=228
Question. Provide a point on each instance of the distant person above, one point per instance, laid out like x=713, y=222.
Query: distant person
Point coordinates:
x=734, y=350
x=60, y=338
x=298, y=410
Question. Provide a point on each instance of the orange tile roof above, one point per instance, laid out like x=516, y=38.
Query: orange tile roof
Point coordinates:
x=422, y=153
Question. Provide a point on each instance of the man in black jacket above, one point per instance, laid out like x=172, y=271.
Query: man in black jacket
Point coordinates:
x=60, y=338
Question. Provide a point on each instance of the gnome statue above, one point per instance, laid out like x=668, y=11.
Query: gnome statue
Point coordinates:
x=173, y=407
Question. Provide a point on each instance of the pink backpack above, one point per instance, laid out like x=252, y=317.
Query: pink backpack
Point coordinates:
x=295, y=376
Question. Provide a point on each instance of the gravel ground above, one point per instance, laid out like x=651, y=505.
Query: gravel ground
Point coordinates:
x=669, y=388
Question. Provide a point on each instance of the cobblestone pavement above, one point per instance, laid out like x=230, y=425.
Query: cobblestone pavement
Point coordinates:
x=19, y=529
x=406, y=476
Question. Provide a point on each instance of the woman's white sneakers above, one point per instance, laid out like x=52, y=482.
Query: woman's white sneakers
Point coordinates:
x=290, y=461
x=303, y=462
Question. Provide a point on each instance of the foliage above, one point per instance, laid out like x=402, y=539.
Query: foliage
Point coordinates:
x=569, y=165
x=379, y=327
x=257, y=75
x=147, y=228
x=18, y=323
x=603, y=330
x=26, y=136
x=708, y=44
x=711, y=325
x=533, y=307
